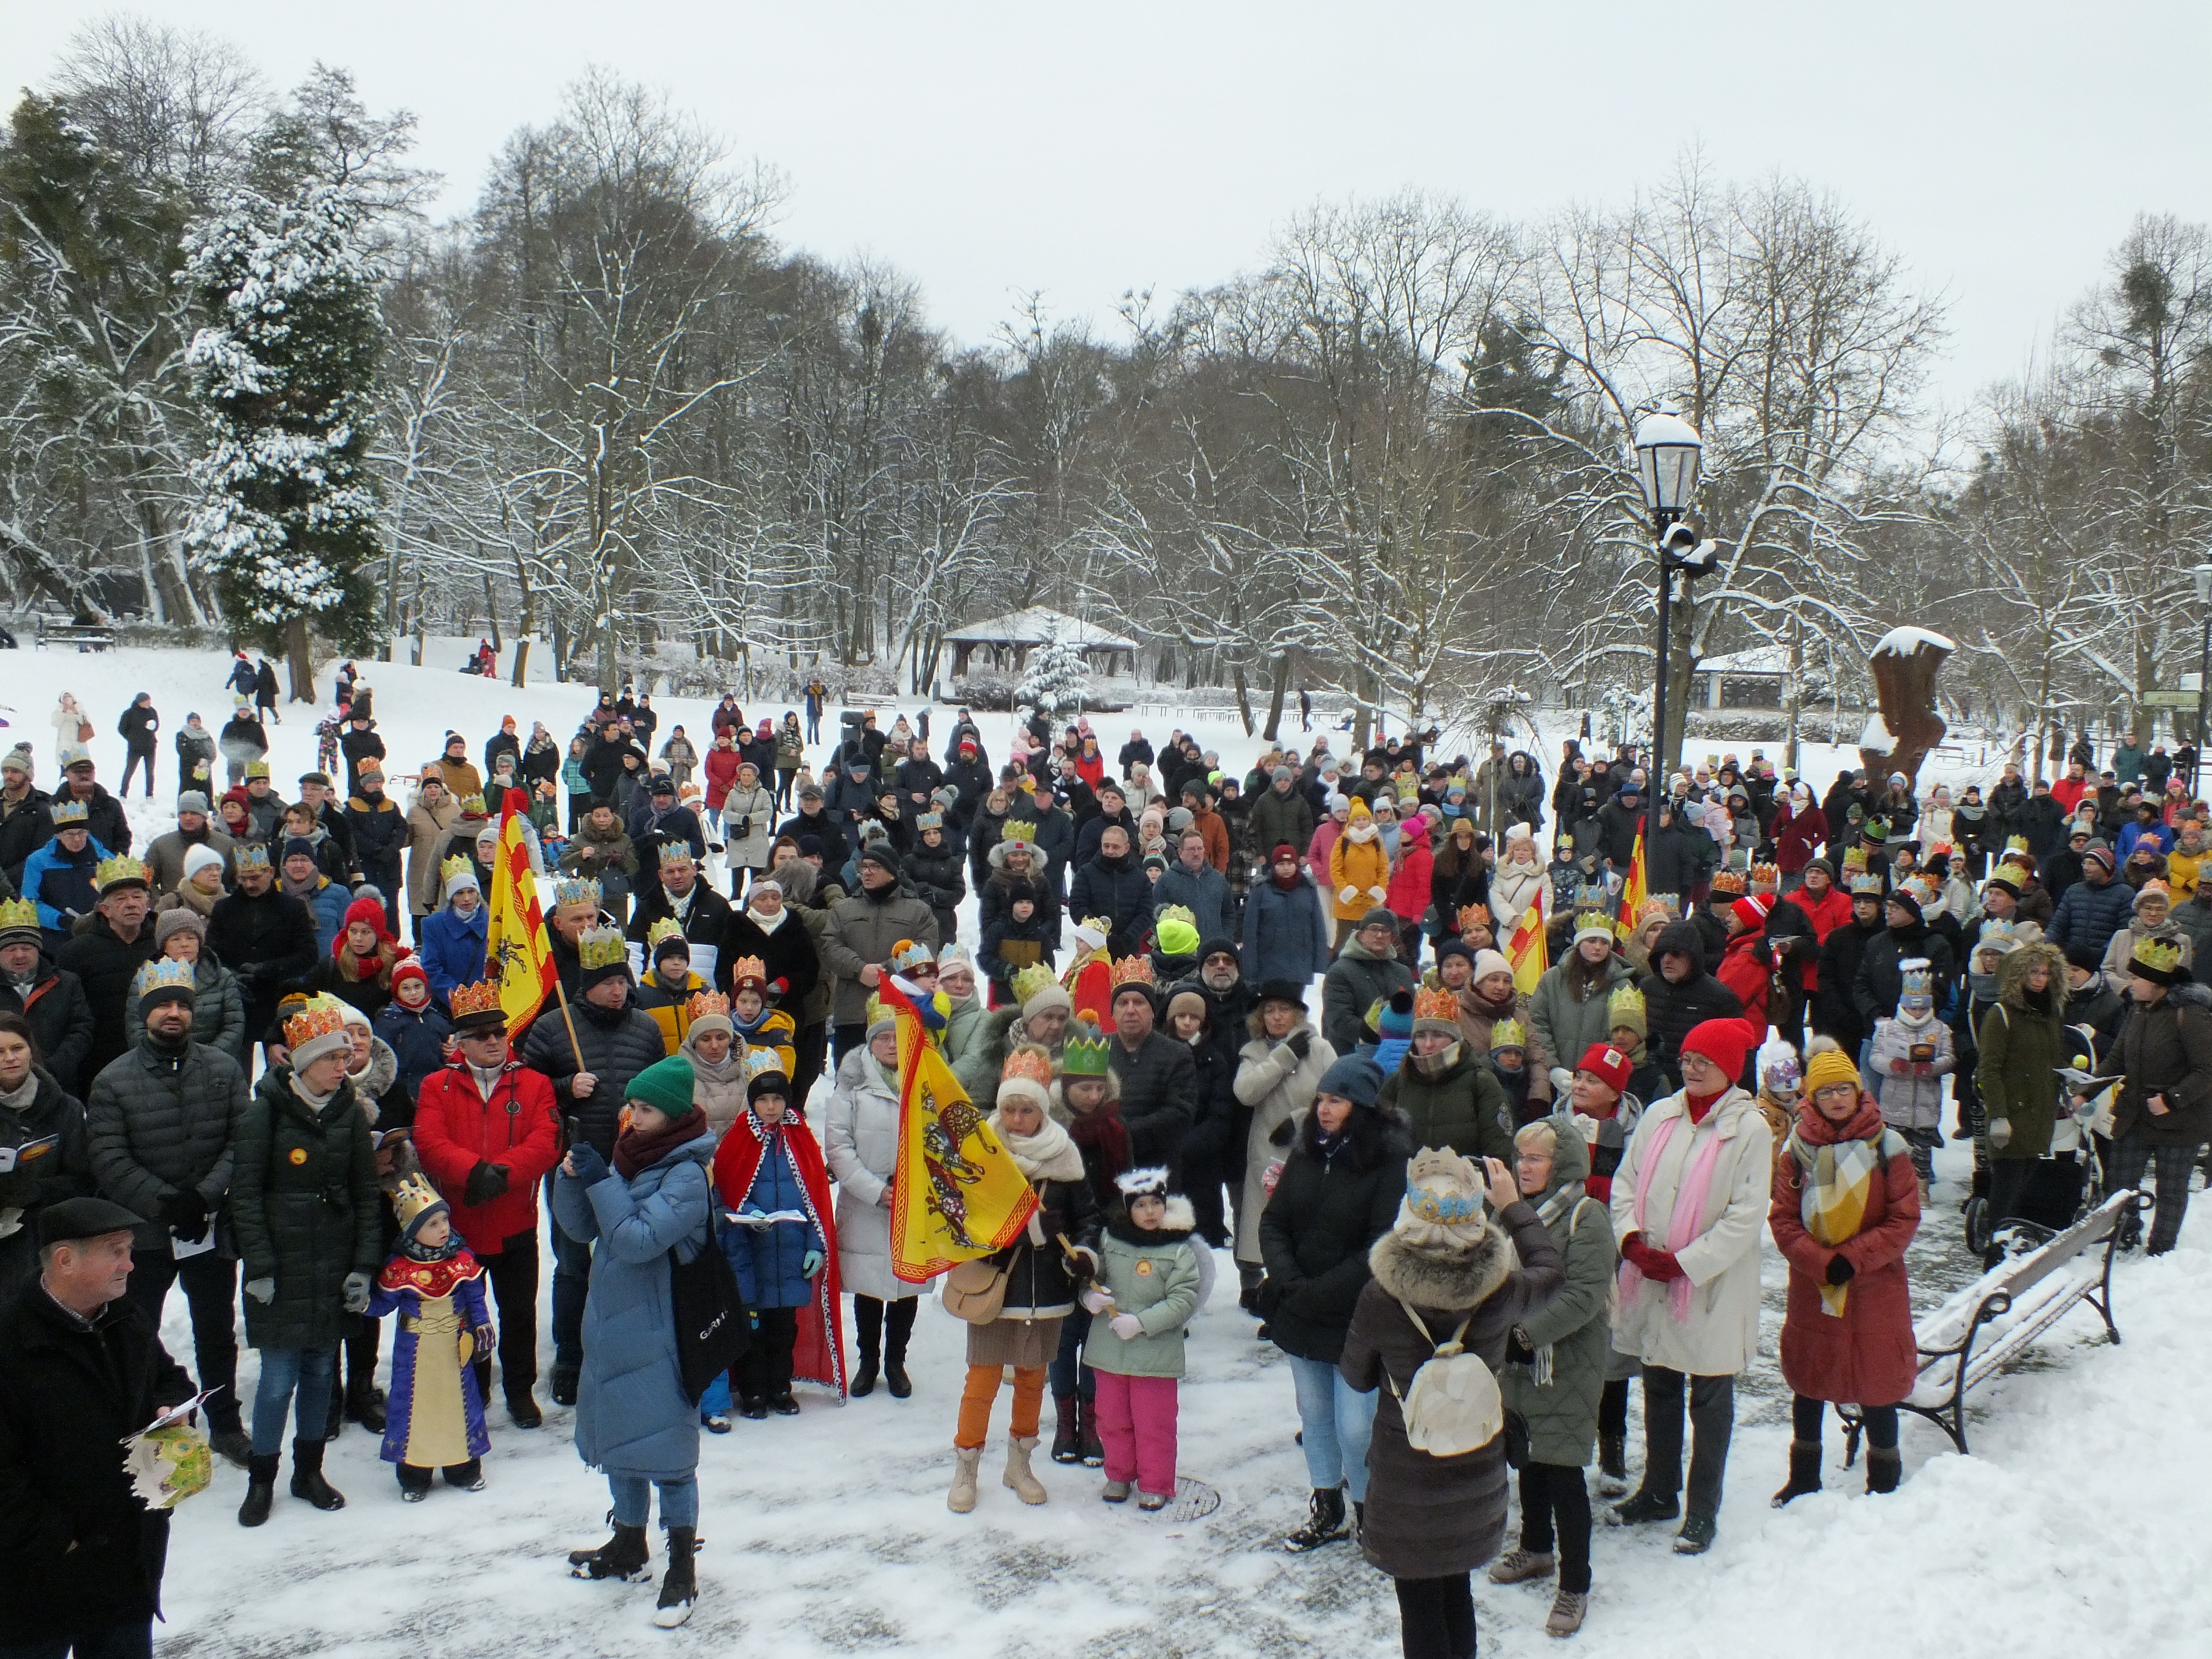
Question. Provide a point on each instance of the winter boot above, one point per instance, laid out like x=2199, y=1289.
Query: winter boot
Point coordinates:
x=468, y=1476
x=308, y=1480
x=1324, y=1522
x=1359, y=1520
x=678, y=1588
x=1885, y=1468
x=895, y=1378
x=1066, y=1447
x=1026, y=1486
x=522, y=1410
x=623, y=1556
x=1697, y=1535
x=1115, y=1492
x=564, y=1383
x=962, y=1498
x=1804, y=1471
x=364, y=1402
x=1523, y=1564
x=1086, y=1432
x=863, y=1378
x=232, y=1441
x=414, y=1482
x=1568, y=1607
x=1646, y=1505
x=261, y=1487
x=1612, y=1466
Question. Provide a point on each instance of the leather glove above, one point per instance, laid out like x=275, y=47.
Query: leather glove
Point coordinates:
x=185, y=1213
x=1840, y=1269
x=1096, y=1300
x=1300, y=1043
x=262, y=1291
x=485, y=1182
x=356, y=1292
x=2000, y=1131
x=1127, y=1326
x=590, y=1168
x=810, y=1264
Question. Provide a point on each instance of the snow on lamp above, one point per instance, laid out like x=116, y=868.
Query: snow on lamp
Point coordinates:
x=1668, y=451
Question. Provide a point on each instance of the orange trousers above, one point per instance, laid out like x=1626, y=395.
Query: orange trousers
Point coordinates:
x=982, y=1387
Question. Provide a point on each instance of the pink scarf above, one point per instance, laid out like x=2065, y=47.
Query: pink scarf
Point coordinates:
x=1682, y=1226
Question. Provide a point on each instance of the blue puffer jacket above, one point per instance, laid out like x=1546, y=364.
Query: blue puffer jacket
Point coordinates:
x=416, y=1040
x=1286, y=934
x=59, y=882
x=631, y=1414
x=2091, y=915
x=327, y=905
x=453, y=948
x=768, y=1261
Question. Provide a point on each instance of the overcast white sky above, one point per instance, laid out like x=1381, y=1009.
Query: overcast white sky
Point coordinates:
x=990, y=148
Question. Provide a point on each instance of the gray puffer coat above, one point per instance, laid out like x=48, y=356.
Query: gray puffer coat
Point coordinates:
x=158, y=1120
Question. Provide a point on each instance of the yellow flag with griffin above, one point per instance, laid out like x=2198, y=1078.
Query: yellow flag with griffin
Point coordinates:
x=1526, y=947
x=517, y=952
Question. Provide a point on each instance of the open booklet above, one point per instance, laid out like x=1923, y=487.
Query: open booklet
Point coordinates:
x=765, y=1218
x=14, y=1158
x=168, y=1460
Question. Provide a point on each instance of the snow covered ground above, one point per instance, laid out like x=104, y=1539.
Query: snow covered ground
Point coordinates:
x=2082, y=1525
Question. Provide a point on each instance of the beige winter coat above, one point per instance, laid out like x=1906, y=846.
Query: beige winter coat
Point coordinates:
x=721, y=1097
x=1276, y=1085
x=1719, y=1337
x=427, y=829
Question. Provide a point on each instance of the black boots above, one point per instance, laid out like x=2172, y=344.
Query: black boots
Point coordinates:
x=624, y=1556
x=1086, y=1431
x=1646, y=1505
x=1324, y=1522
x=679, y=1588
x=1066, y=1445
x=260, y=1488
x=863, y=1379
x=308, y=1480
x=1804, y=1471
x=898, y=1326
x=364, y=1402
x=1885, y=1468
x=895, y=1376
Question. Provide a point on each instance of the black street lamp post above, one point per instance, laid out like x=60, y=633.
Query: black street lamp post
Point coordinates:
x=1667, y=454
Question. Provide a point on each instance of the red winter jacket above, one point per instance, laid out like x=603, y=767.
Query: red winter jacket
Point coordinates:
x=721, y=775
x=455, y=1129
x=1410, y=881
x=1746, y=968
x=1797, y=837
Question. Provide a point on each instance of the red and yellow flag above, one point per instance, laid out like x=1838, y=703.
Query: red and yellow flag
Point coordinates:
x=1632, y=888
x=516, y=949
x=957, y=1193
x=1526, y=947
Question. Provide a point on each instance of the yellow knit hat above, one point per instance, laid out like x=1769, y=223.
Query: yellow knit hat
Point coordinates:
x=1825, y=1066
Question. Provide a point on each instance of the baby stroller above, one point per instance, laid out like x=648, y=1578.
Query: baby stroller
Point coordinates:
x=2068, y=1181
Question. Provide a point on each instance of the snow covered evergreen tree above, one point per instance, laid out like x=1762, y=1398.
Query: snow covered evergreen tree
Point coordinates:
x=288, y=524
x=1057, y=681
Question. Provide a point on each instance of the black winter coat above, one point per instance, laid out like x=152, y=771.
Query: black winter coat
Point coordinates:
x=62, y=1172
x=1037, y=1275
x=1671, y=1010
x=305, y=1207
x=269, y=942
x=161, y=1120
x=705, y=922
x=787, y=954
x=107, y=966
x=1215, y=1104
x=1878, y=984
x=137, y=727
x=380, y=835
x=28, y=826
x=1328, y=1207
x=1159, y=1097
x=617, y=1044
x=934, y=873
x=60, y=1020
x=1835, y=1011
x=1118, y=890
x=78, y=1551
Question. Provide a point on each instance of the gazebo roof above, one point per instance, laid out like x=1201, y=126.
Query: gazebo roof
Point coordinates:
x=1760, y=659
x=1035, y=626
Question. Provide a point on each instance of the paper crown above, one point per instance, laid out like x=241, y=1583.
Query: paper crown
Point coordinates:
x=250, y=855
x=66, y=812
x=1922, y=894
x=413, y=1201
x=665, y=928
x=472, y=806
x=1625, y=1000
x=1765, y=875
x=909, y=954
x=1030, y=1061
x=257, y=769
x=576, y=889
x=163, y=973
x=1029, y=981
x=709, y=1004
x=18, y=915
x=1915, y=976
x=1866, y=887
x=1592, y=899
x=750, y=970
x=1508, y=1034
x=2016, y=844
x=675, y=852
x=1151, y=1183
x=453, y=870
x=1016, y=833
x=1098, y=927
x=763, y=1061
x=120, y=872
x=1436, y=1004
x=1474, y=916
x=1730, y=881
x=1854, y=858
x=602, y=947
x=319, y=1016
x=1084, y=1054
x=474, y=1002
x=1181, y=912
x=1444, y=1208
x=2162, y=955
x=1132, y=970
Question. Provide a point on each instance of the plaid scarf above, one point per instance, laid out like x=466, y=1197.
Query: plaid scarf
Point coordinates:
x=1837, y=1179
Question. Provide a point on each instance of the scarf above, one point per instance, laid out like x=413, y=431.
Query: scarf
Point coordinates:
x=767, y=925
x=1103, y=1133
x=1837, y=1180
x=189, y=897
x=300, y=889
x=23, y=1095
x=1690, y=1200
x=637, y=1152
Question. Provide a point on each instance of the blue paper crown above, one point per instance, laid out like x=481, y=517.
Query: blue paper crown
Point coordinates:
x=1444, y=1208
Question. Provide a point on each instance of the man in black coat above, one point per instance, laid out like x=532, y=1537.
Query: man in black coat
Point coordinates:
x=264, y=936
x=1159, y=1084
x=380, y=834
x=1880, y=982
x=1678, y=995
x=360, y=742
x=674, y=893
x=80, y=1555
x=1835, y=1012
x=50, y=1001
x=103, y=812
x=26, y=823
x=1619, y=820
x=106, y=954
x=137, y=728
x=1115, y=886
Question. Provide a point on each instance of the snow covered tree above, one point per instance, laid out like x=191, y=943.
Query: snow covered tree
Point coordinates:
x=288, y=524
x=1057, y=681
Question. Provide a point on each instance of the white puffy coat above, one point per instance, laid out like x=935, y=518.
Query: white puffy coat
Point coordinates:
x=860, y=1145
x=1277, y=1086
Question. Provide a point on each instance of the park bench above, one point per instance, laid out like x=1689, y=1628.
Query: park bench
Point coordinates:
x=85, y=636
x=1984, y=1327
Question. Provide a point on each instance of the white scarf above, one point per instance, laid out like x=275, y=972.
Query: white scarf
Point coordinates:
x=768, y=924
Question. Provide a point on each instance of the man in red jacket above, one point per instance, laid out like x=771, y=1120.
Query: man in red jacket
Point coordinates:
x=486, y=1131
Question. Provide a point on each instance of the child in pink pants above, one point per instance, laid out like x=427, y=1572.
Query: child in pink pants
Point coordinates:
x=1147, y=1291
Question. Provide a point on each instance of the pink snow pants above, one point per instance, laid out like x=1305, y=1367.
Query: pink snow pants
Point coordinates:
x=1137, y=1426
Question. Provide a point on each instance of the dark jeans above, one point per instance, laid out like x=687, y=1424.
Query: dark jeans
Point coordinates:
x=1550, y=1491
x=883, y=1328
x=1712, y=1420
x=211, y=1292
x=784, y=783
x=808, y=1053
x=513, y=1274
x=843, y=1039
x=133, y=760
x=2008, y=1180
x=765, y=1371
x=101, y=1642
x=1067, y=1374
x=1881, y=1422
x=2170, y=1163
x=1435, y=1616
x=572, y=1283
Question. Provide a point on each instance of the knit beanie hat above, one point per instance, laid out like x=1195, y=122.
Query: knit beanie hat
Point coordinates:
x=199, y=856
x=1487, y=962
x=665, y=1084
x=1357, y=1079
x=1825, y=1064
x=1604, y=1061
x=170, y=923
x=1724, y=1041
x=405, y=969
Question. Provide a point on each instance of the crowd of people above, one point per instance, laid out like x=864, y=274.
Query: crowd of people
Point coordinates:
x=261, y=1057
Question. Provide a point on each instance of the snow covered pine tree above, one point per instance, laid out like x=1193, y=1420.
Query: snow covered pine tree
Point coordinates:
x=288, y=524
x=1057, y=681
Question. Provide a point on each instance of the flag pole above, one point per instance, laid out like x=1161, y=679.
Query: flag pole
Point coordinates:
x=569, y=1020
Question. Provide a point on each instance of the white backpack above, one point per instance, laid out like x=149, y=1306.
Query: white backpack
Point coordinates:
x=1452, y=1406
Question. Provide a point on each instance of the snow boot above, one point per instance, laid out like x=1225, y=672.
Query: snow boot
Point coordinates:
x=1804, y=1471
x=962, y=1498
x=1115, y=1492
x=523, y=1412
x=364, y=1402
x=1086, y=1431
x=1697, y=1535
x=1025, y=1485
x=308, y=1480
x=624, y=1556
x=863, y=1379
x=1612, y=1466
x=1324, y=1522
x=261, y=1487
x=1066, y=1448
x=679, y=1588
x=1885, y=1468
x=1568, y=1607
x=231, y=1443
x=1521, y=1566
x=1646, y=1505
x=895, y=1378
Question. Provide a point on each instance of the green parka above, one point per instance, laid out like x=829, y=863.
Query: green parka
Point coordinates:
x=1566, y=1027
x=1462, y=1107
x=303, y=1202
x=2023, y=1042
x=1575, y=1324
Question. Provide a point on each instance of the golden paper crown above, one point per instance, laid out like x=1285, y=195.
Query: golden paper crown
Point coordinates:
x=2162, y=955
x=1765, y=875
x=1181, y=912
x=666, y=927
x=2016, y=844
x=18, y=913
x=319, y=1017
x=412, y=1198
x=1508, y=1034
x=1625, y=1000
x=1027, y=982
x=1030, y=1061
x=1436, y=1004
x=762, y=1061
x=1728, y=881
x=1854, y=858
x=1132, y=970
x=675, y=852
x=1097, y=925
x=1015, y=829
x=482, y=997
x=1474, y=915
x=706, y=1004
x=455, y=865
x=162, y=973
x=120, y=872
x=576, y=889
x=602, y=947
x=750, y=970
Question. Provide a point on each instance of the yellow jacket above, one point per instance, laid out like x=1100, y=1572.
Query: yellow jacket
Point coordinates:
x=1364, y=867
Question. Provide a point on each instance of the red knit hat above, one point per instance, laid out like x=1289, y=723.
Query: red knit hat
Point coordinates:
x=1750, y=911
x=1724, y=1041
x=369, y=911
x=1602, y=1060
x=408, y=967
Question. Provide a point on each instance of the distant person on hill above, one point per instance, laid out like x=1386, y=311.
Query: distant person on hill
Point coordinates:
x=137, y=727
x=264, y=690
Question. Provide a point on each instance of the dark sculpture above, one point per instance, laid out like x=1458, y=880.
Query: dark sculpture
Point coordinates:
x=1907, y=728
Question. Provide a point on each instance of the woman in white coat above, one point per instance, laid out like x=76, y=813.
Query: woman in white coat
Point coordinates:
x=860, y=1137
x=1277, y=1074
x=1515, y=884
x=1688, y=1202
x=748, y=827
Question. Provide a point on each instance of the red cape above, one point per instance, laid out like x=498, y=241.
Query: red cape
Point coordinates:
x=819, y=1354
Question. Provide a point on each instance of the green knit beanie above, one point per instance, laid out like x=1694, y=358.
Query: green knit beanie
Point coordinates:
x=665, y=1084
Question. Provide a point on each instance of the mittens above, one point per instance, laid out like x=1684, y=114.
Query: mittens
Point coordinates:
x=590, y=1168
x=2000, y=1131
x=1127, y=1326
x=356, y=1292
x=809, y=1264
x=262, y=1291
x=1840, y=1269
x=1346, y=895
